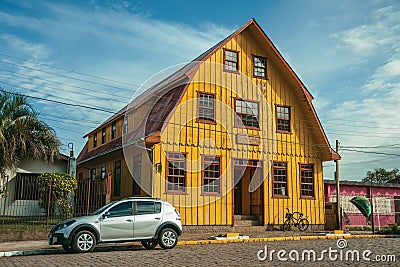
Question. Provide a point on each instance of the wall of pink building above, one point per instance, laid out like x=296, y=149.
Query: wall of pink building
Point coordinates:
x=364, y=190
x=360, y=220
x=330, y=189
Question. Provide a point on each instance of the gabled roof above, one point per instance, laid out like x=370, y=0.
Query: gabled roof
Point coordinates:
x=187, y=72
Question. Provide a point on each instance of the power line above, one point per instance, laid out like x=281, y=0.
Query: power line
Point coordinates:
x=357, y=121
x=372, y=147
x=64, y=76
x=360, y=162
x=63, y=121
x=58, y=89
x=72, y=71
x=370, y=152
x=59, y=102
x=60, y=83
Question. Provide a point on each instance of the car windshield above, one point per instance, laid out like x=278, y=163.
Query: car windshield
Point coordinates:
x=97, y=212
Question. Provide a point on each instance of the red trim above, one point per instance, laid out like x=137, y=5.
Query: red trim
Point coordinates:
x=313, y=183
x=273, y=180
x=254, y=66
x=198, y=107
x=175, y=192
x=290, y=119
x=219, y=177
x=237, y=62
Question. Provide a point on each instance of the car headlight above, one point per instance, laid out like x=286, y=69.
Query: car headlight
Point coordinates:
x=178, y=215
x=63, y=225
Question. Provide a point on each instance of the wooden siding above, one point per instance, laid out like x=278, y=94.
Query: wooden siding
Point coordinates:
x=184, y=134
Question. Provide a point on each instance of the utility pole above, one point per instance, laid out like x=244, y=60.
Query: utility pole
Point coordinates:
x=339, y=214
x=372, y=208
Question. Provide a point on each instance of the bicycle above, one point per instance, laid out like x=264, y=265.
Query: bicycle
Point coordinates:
x=297, y=219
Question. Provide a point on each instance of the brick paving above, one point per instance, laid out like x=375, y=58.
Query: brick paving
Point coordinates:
x=231, y=254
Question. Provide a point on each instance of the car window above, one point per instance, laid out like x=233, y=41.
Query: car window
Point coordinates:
x=147, y=207
x=122, y=209
x=103, y=208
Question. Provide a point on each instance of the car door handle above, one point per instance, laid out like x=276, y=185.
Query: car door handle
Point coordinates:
x=129, y=220
x=157, y=218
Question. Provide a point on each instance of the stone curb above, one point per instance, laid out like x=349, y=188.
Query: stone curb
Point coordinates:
x=207, y=242
x=275, y=239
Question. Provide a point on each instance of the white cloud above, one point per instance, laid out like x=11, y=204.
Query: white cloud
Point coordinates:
x=116, y=43
x=35, y=50
x=373, y=37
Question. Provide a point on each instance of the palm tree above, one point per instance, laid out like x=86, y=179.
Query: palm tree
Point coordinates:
x=22, y=133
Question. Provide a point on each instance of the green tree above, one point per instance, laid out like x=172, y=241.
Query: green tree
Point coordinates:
x=381, y=175
x=55, y=192
x=22, y=133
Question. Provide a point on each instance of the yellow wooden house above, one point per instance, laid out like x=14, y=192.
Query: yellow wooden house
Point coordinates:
x=233, y=132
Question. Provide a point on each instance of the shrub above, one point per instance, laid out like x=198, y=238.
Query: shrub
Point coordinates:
x=58, y=187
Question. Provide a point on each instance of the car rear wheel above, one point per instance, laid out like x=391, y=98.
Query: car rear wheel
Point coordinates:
x=151, y=244
x=167, y=238
x=84, y=241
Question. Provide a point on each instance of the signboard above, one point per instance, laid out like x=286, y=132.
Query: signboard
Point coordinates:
x=246, y=139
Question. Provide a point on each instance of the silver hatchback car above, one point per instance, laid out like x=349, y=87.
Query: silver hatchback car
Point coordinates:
x=148, y=220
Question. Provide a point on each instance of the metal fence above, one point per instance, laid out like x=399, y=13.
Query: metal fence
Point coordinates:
x=25, y=213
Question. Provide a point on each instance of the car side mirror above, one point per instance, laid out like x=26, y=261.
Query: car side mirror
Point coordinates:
x=106, y=214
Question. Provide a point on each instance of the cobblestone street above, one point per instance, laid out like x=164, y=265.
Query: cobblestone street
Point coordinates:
x=231, y=254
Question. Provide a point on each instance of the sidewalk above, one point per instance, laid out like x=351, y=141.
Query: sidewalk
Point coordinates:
x=39, y=247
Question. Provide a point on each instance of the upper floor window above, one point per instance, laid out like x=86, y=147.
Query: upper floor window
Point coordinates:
x=307, y=180
x=93, y=173
x=259, y=66
x=231, y=60
x=94, y=140
x=114, y=130
x=125, y=126
x=103, y=173
x=117, y=178
x=280, y=179
x=137, y=171
x=247, y=111
x=176, y=172
x=206, y=107
x=103, y=135
x=283, y=119
x=211, y=175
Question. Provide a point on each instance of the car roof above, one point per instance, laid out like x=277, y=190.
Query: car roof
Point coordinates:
x=140, y=198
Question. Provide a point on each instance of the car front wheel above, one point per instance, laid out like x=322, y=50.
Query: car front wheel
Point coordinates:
x=167, y=238
x=84, y=241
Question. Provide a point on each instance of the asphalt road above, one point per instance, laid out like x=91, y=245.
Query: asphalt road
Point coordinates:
x=286, y=253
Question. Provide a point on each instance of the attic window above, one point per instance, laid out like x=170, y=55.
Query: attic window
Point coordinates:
x=231, y=60
x=95, y=140
x=114, y=130
x=260, y=67
x=125, y=126
x=103, y=135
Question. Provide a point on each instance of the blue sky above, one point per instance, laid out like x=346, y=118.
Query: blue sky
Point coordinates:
x=97, y=53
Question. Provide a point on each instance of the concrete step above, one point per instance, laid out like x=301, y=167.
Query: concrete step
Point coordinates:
x=245, y=217
x=248, y=229
x=246, y=223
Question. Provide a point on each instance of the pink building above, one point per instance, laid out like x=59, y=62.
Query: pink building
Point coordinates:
x=386, y=201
